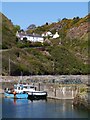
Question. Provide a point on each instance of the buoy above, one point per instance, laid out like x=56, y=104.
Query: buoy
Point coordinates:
x=14, y=93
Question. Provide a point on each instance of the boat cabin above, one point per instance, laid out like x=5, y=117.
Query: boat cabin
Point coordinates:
x=21, y=88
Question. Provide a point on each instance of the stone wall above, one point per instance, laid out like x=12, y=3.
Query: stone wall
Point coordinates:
x=51, y=84
x=58, y=91
x=46, y=78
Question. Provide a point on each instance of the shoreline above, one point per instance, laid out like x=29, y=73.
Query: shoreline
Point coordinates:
x=57, y=98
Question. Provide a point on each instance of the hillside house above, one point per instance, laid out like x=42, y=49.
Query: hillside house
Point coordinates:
x=46, y=34
x=56, y=35
x=29, y=37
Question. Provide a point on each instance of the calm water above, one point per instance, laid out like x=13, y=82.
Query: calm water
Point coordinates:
x=24, y=108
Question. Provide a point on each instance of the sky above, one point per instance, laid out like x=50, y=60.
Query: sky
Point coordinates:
x=38, y=13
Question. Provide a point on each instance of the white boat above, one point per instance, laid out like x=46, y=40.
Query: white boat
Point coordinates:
x=25, y=91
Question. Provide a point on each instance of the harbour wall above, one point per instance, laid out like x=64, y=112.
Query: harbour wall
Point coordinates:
x=45, y=78
x=54, y=85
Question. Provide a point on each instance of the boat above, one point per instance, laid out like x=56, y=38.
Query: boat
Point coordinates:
x=37, y=95
x=24, y=91
x=20, y=91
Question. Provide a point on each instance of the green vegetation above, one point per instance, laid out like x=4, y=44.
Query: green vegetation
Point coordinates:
x=67, y=54
x=8, y=33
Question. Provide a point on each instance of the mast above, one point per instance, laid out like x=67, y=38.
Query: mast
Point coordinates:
x=21, y=77
x=9, y=66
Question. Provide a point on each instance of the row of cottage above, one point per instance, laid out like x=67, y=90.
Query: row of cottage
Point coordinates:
x=35, y=37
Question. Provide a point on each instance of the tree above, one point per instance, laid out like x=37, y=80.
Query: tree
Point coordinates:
x=64, y=19
x=16, y=28
x=32, y=26
x=46, y=23
x=17, y=54
x=76, y=19
x=16, y=39
x=25, y=39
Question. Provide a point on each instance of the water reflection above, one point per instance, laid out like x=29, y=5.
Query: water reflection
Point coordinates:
x=24, y=108
x=18, y=101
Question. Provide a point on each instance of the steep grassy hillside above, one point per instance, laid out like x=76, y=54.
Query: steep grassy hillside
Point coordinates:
x=8, y=34
x=53, y=60
x=67, y=54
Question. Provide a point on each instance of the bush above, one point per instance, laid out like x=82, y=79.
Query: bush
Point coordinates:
x=37, y=44
x=82, y=90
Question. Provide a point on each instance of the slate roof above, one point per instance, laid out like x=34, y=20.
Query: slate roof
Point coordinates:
x=32, y=35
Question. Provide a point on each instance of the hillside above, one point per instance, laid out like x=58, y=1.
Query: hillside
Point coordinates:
x=67, y=54
x=8, y=34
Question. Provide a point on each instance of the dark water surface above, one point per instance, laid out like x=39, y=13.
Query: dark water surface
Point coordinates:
x=24, y=108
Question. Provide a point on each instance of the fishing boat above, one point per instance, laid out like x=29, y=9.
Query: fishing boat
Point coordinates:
x=20, y=91
x=24, y=91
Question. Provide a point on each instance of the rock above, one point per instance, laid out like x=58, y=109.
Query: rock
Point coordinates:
x=80, y=101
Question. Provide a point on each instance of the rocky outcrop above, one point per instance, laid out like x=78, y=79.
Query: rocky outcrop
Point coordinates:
x=77, y=32
x=82, y=101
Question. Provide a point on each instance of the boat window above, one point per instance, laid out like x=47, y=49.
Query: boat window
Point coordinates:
x=28, y=87
x=25, y=87
x=18, y=88
x=31, y=87
x=15, y=87
x=21, y=88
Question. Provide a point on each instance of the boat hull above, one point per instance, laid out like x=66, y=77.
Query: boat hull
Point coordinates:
x=37, y=95
x=17, y=96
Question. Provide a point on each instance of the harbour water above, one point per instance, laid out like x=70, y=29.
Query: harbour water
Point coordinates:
x=50, y=108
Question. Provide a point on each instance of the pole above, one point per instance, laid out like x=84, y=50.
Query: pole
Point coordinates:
x=53, y=66
x=39, y=86
x=9, y=66
x=55, y=91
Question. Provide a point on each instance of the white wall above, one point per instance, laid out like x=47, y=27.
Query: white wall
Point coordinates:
x=35, y=39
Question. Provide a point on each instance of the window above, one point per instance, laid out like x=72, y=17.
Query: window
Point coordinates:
x=25, y=87
x=18, y=88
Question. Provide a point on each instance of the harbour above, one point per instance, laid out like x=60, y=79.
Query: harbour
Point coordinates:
x=49, y=108
x=58, y=87
x=58, y=104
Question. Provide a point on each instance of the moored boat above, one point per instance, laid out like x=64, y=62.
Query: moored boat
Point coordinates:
x=24, y=91
x=37, y=95
x=20, y=91
x=16, y=96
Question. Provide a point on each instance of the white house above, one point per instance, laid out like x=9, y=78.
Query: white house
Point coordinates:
x=46, y=34
x=29, y=37
x=56, y=35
